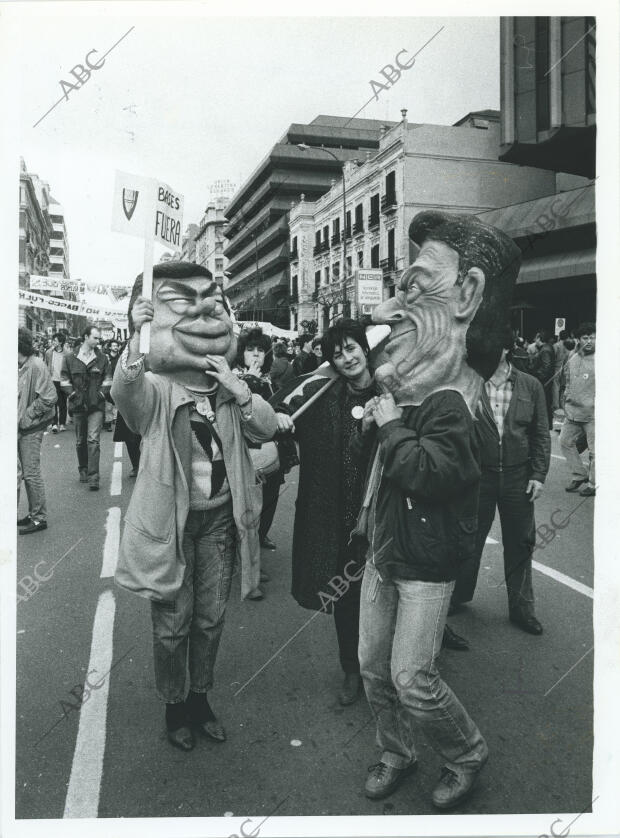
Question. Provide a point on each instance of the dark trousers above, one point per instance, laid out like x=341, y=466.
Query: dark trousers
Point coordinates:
x=133, y=449
x=506, y=492
x=347, y=619
x=271, y=492
x=60, y=410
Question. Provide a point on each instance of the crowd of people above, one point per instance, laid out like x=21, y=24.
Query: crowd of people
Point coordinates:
x=213, y=424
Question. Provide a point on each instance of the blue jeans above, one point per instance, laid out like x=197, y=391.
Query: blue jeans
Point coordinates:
x=87, y=435
x=191, y=625
x=29, y=470
x=401, y=627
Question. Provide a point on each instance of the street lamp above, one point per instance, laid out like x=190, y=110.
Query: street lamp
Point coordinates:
x=305, y=147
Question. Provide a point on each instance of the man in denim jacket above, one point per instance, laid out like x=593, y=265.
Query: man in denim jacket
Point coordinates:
x=419, y=510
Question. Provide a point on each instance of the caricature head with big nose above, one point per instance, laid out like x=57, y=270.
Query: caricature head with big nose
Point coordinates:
x=191, y=320
x=448, y=315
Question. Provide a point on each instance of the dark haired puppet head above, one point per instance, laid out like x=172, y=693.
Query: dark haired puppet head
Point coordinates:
x=191, y=320
x=450, y=308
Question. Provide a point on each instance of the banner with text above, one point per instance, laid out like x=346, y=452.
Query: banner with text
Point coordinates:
x=79, y=307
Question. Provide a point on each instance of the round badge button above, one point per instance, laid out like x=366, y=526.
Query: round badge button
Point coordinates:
x=357, y=412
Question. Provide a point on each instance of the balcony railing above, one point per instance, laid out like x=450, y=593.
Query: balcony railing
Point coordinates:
x=388, y=202
x=387, y=265
x=294, y=255
x=320, y=248
x=373, y=221
x=335, y=239
x=347, y=232
x=358, y=228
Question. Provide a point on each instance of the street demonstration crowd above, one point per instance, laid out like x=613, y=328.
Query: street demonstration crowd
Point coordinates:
x=338, y=482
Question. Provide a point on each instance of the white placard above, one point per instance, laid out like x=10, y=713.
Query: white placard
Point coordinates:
x=369, y=286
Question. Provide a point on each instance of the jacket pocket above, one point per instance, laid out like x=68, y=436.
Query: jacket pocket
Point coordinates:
x=421, y=539
x=524, y=410
x=152, y=508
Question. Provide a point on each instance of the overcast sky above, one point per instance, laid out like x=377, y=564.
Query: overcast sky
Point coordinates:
x=194, y=100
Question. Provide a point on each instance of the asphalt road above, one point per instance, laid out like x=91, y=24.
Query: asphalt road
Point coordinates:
x=291, y=749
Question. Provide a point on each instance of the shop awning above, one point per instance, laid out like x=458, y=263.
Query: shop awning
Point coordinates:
x=558, y=266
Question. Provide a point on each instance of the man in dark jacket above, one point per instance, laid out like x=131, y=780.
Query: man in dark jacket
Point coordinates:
x=306, y=361
x=543, y=366
x=35, y=409
x=86, y=378
x=419, y=509
x=514, y=450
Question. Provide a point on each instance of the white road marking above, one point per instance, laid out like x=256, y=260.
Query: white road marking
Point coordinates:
x=491, y=540
x=118, y=450
x=558, y=457
x=87, y=768
x=112, y=539
x=117, y=478
x=565, y=580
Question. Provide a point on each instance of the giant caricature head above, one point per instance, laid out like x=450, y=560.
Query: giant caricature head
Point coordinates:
x=448, y=315
x=191, y=320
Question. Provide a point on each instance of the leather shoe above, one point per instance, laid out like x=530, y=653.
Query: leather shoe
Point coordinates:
x=21, y=522
x=575, y=484
x=351, y=688
x=33, y=526
x=212, y=729
x=181, y=738
x=267, y=543
x=256, y=594
x=528, y=623
x=588, y=491
x=452, y=640
x=384, y=780
x=264, y=577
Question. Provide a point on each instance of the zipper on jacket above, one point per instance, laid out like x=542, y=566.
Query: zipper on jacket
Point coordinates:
x=374, y=526
x=500, y=454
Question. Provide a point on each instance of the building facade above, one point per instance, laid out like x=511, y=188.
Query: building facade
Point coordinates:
x=209, y=240
x=35, y=229
x=362, y=221
x=305, y=160
x=548, y=119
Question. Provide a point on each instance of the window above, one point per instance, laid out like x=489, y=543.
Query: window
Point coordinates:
x=219, y=264
x=360, y=258
x=326, y=234
x=336, y=271
x=390, y=244
x=347, y=224
x=317, y=239
x=294, y=288
x=336, y=227
x=373, y=219
x=327, y=275
x=374, y=256
x=349, y=266
x=543, y=114
x=317, y=280
x=359, y=219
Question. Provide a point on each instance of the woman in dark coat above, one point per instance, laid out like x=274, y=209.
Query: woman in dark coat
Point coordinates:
x=330, y=494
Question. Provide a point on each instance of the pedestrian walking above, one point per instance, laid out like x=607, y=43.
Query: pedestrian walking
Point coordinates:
x=254, y=361
x=54, y=357
x=281, y=371
x=330, y=493
x=36, y=399
x=559, y=378
x=579, y=410
x=419, y=509
x=515, y=447
x=196, y=501
x=85, y=377
x=305, y=361
x=112, y=353
x=543, y=365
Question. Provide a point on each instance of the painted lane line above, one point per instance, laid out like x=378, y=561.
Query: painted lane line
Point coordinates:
x=565, y=580
x=116, y=484
x=491, y=540
x=112, y=539
x=558, y=457
x=87, y=767
x=118, y=450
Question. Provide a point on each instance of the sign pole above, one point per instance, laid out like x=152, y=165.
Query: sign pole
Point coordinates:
x=147, y=291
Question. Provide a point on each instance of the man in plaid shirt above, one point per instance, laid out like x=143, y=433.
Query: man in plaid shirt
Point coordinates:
x=515, y=446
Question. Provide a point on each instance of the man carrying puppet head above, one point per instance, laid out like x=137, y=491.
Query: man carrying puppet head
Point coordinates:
x=419, y=513
x=196, y=502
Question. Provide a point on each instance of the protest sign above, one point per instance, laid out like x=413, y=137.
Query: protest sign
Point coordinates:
x=153, y=211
